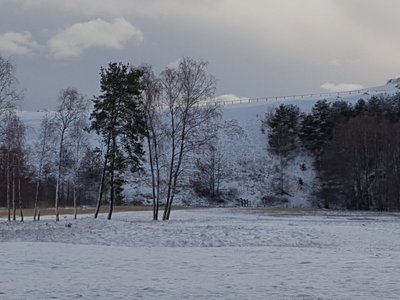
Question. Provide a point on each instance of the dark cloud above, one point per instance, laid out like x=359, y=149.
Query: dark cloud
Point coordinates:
x=255, y=48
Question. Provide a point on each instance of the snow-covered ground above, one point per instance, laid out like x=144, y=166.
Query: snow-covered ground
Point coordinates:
x=203, y=254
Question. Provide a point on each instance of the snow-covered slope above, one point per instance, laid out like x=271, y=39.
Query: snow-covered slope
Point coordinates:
x=249, y=168
x=245, y=146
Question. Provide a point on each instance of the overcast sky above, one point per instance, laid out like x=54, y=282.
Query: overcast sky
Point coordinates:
x=254, y=48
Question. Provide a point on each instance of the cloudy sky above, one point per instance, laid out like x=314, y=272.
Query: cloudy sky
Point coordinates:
x=255, y=48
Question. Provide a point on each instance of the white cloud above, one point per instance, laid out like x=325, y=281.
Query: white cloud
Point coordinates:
x=93, y=34
x=18, y=43
x=341, y=87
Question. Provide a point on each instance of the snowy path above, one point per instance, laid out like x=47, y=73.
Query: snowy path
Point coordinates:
x=203, y=254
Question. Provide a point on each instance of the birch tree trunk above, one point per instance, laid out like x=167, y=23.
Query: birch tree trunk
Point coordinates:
x=74, y=195
x=20, y=195
x=8, y=182
x=58, y=182
x=35, y=209
x=14, y=207
x=71, y=109
x=185, y=89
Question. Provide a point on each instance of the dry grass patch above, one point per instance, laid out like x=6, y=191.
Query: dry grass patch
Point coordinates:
x=280, y=211
x=28, y=212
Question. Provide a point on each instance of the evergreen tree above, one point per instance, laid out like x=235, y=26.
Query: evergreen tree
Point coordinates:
x=283, y=129
x=316, y=128
x=119, y=118
x=283, y=140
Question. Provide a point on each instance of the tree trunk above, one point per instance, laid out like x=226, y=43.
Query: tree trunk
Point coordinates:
x=8, y=182
x=60, y=155
x=153, y=179
x=110, y=211
x=103, y=177
x=35, y=210
x=171, y=167
x=74, y=195
x=168, y=207
x=14, y=207
x=20, y=195
x=112, y=170
x=158, y=181
x=40, y=169
x=114, y=113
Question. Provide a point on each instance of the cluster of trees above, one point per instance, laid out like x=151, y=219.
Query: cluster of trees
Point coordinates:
x=11, y=135
x=54, y=169
x=87, y=151
x=179, y=125
x=356, y=149
x=166, y=116
x=163, y=119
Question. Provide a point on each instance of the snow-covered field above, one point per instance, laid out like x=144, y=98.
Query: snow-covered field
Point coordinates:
x=204, y=254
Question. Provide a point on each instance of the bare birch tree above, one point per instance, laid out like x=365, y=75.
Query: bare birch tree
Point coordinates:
x=13, y=143
x=72, y=105
x=153, y=111
x=79, y=145
x=9, y=93
x=19, y=155
x=186, y=90
x=43, y=151
x=6, y=139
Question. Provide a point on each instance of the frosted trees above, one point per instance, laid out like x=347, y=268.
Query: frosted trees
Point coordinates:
x=9, y=93
x=152, y=113
x=71, y=109
x=210, y=171
x=118, y=117
x=78, y=146
x=186, y=90
x=13, y=150
x=43, y=152
x=11, y=127
x=178, y=124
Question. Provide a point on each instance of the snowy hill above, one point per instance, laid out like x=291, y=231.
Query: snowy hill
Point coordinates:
x=246, y=146
x=249, y=167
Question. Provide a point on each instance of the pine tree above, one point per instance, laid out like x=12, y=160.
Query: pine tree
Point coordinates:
x=316, y=128
x=283, y=129
x=283, y=139
x=119, y=118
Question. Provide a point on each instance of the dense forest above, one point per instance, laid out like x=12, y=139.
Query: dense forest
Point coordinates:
x=356, y=150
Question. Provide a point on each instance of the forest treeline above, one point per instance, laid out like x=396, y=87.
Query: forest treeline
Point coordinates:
x=356, y=150
x=160, y=130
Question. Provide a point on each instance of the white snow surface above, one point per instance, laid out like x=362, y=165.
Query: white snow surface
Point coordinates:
x=218, y=253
